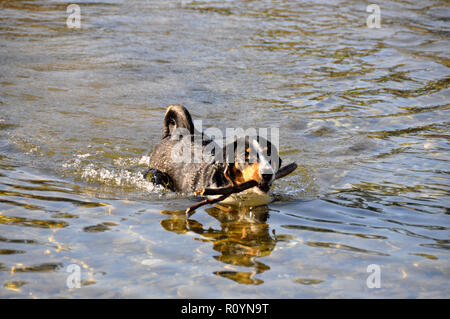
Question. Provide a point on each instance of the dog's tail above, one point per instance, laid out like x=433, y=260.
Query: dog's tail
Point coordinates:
x=177, y=116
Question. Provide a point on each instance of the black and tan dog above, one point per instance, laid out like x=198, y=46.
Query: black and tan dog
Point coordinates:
x=218, y=167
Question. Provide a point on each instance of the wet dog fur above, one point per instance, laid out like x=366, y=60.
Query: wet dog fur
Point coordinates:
x=233, y=169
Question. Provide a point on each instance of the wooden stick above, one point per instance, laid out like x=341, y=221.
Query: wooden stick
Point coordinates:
x=224, y=191
x=282, y=172
x=227, y=191
x=285, y=170
x=191, y=209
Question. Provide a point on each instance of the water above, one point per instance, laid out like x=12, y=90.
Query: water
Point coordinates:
x=364, y=112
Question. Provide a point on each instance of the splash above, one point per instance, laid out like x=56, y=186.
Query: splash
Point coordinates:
x=126, y=173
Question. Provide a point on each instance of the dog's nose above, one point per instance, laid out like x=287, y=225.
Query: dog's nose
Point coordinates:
x=267, y=177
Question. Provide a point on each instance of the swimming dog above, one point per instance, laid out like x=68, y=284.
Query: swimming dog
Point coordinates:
x=244, y=159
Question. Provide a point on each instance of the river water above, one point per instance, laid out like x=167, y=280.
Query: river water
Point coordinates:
x=363, y=111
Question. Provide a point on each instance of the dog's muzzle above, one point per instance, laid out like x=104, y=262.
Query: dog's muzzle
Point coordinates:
x=266, y=182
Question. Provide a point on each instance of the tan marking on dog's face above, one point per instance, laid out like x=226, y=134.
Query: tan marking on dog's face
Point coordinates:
x=251, y=172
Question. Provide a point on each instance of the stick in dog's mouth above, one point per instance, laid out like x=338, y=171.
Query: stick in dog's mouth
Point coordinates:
x=227, y=191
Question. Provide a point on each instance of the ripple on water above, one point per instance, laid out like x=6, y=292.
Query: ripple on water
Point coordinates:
x=363, y=112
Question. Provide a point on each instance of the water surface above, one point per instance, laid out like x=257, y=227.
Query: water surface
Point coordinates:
x=364, y=112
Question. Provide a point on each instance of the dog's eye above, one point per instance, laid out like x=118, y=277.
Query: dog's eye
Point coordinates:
x=247, y=153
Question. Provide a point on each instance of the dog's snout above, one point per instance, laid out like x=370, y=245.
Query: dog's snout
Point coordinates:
x=266, y=177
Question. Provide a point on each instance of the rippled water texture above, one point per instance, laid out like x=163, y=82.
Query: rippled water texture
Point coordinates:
x=364, y=112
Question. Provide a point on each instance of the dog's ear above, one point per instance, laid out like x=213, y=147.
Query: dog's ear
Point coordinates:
x=236, y=151
x=177, y=116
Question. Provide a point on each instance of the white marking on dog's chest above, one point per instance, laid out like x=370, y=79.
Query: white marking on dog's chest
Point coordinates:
x=250, y=197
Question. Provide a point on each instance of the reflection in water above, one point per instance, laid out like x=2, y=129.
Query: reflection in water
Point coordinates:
x=242, y=238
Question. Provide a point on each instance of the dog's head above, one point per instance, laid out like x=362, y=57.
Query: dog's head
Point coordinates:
x=252, y=158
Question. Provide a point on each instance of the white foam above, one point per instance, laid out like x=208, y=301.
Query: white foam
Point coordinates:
x=143, y=160
x=118, y=177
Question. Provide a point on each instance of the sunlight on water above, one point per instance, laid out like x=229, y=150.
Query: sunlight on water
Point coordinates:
x=363, y=112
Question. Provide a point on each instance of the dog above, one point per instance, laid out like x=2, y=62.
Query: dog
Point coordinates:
x=242, y=160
